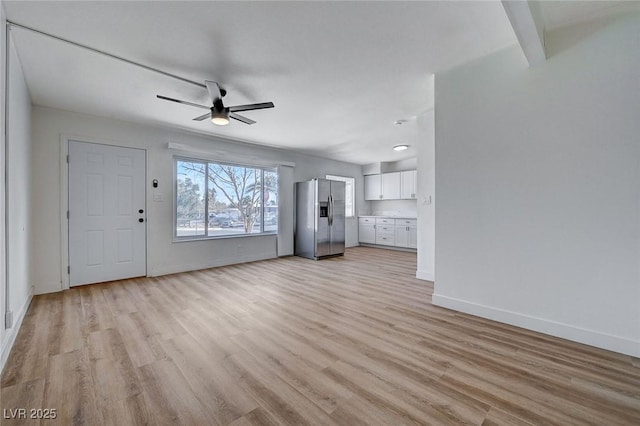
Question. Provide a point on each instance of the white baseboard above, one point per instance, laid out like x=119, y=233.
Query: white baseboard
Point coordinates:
x=50, y=287
x=577, y=334
x=385, y=247
x=425, y=275
x=174, y=269
x=12, y=333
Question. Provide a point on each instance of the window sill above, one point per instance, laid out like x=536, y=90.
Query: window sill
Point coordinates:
x=220, y=237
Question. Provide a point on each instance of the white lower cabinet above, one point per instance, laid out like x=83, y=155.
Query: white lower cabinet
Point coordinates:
x=367, y=230
x=385, y=232
x=406, y=233
x=388, y=231
x=402, y=236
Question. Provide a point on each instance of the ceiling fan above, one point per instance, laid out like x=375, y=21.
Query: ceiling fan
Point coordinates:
x=218, y=113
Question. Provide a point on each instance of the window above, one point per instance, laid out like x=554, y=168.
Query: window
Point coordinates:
x=216, y=200
x=350, y=194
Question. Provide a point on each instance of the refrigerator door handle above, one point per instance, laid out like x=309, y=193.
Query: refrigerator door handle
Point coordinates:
x=330, y=210
x=333, y=208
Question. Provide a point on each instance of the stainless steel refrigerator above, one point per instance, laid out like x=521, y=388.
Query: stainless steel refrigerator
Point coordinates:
x=320, y=210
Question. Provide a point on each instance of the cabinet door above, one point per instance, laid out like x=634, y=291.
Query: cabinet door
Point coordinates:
x=402, y=236
x=391, y=186
x=408, y=186
x=372, y=187
x=367, y=233
x=412, y=237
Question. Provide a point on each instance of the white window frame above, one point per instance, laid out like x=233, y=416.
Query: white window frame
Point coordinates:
x=350, y=192
x=206, y=236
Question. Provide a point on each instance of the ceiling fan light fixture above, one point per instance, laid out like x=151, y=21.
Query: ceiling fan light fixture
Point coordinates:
x=400, y=147
x=220, y=118
x=219, y=114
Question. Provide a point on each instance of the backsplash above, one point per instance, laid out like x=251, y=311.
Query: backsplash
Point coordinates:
x=401, y=208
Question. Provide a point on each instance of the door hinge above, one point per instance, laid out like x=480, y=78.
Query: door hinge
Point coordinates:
x=68, y=269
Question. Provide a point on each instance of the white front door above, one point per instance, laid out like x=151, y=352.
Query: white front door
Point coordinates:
x=107, y=213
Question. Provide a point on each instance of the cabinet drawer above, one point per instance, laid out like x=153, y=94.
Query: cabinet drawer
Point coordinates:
x=407, y=222
x=385, y=221
x=385, y=239
x=370, y=220
x=385, y=229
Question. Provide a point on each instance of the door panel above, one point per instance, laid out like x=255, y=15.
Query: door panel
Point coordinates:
x=338, y=228
x=95, y=195
x=338, y=223
x=323, y=244
x=95, y=248
x=125, y=195
x=125, y=245
x=324, y=190
x=305, y=233
x=106, y=191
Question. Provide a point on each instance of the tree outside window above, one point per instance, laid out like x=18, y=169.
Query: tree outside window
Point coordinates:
x=239, y=200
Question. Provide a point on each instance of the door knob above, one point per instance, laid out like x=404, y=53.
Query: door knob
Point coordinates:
x=141, y=220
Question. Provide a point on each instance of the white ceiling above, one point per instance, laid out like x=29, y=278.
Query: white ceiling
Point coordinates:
x=556, y=14
x=339, y=73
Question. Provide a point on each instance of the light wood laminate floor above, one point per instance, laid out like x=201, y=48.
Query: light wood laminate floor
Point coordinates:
x=348, y=341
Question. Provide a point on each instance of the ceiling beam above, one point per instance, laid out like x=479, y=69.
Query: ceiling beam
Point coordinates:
x=526, y=19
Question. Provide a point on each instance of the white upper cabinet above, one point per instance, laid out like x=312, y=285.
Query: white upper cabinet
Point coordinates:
x=373, y=187
x=409, y=185
x=391, y=186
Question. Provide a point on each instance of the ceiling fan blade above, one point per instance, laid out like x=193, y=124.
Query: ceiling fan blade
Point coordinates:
x=214, y=90
x=250, y=107
x=202, y=117
x=181, y=102
x=241, y=118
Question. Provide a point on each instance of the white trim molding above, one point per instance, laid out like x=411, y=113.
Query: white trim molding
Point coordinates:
x=577, y=334
x=526, y=20
x=425, y=275
x=225, y=156
x=12, y=332
x=64, y=207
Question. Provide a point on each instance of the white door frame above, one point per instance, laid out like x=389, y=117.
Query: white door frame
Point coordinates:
x=64, y=199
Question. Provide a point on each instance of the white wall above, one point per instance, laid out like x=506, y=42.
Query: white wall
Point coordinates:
x=163, y=256
x=426, y=198
x=18, y=202
x=3, y=332
x=538, y=184
x=390, y=166
x=19, y=186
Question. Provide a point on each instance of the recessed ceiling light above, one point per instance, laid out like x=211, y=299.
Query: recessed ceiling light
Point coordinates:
x=400, y=147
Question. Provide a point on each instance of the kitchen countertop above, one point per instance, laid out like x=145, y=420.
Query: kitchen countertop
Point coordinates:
x=389, y=217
